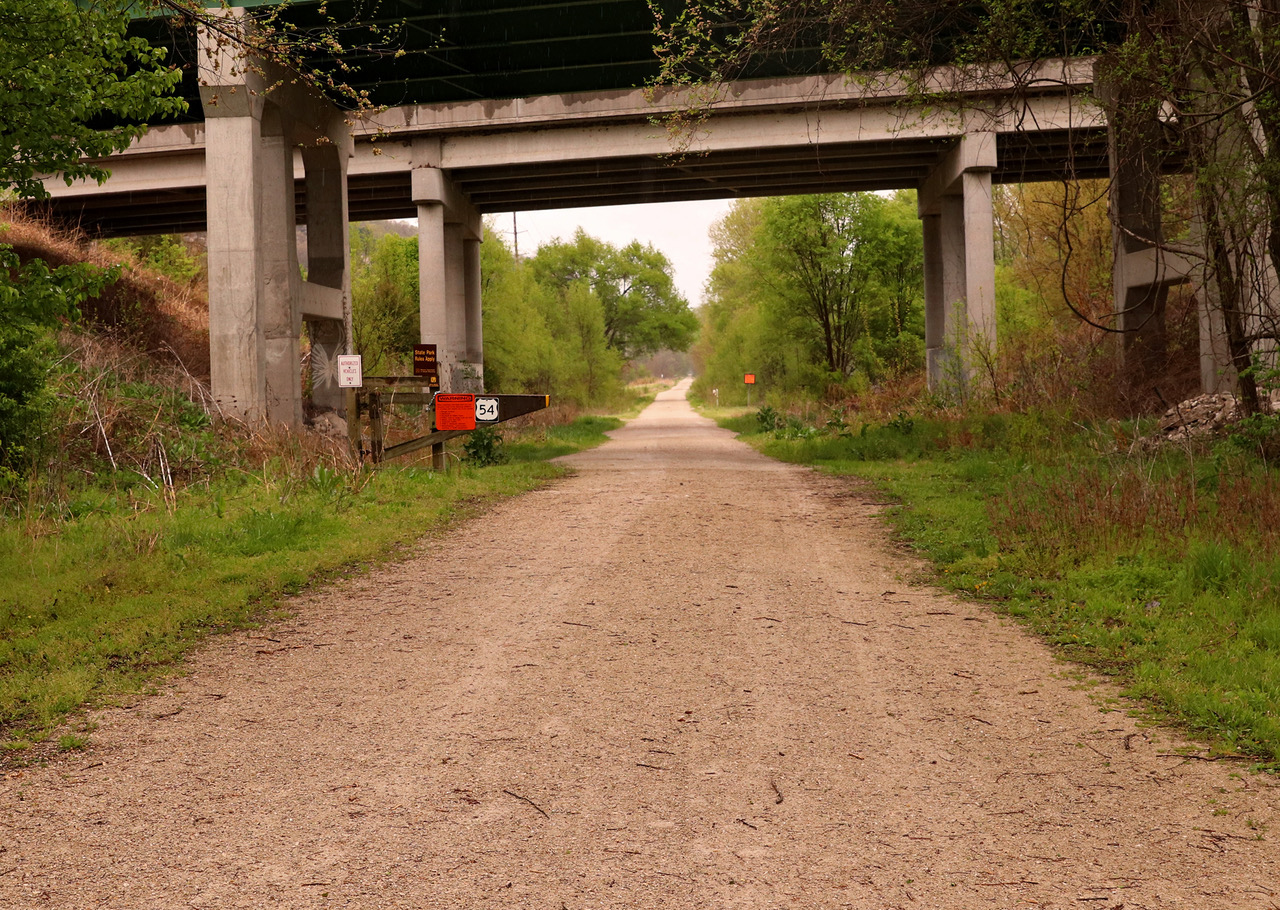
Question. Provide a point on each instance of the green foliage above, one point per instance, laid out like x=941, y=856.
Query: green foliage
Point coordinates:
x=643, y=312
x=1260, y=432
x=484, y=447
x=768, y=420
x=66, y=67
x=384, y=299
x=542, y=336
x=33, y=298
x=162, y=253
x=813, y=293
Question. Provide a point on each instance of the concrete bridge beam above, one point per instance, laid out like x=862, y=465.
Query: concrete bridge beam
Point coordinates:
x=959, y=266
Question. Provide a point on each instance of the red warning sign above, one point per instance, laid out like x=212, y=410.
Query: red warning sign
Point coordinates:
x=455, y=412
x=750, y=379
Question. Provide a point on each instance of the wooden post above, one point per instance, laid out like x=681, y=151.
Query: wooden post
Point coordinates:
x=353, y=424
x=437, y=457
x=375, y=426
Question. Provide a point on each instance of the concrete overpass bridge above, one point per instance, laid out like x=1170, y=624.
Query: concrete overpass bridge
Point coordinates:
x=271, y=153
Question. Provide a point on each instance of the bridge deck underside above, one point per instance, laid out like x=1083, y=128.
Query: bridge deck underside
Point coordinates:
x=874, y=165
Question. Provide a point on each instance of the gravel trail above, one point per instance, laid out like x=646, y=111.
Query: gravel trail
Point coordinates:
x=686, y=677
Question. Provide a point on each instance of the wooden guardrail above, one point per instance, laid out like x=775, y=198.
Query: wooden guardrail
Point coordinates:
x=379, y=393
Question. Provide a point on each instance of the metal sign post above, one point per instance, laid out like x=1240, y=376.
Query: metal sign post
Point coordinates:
x=750, y=380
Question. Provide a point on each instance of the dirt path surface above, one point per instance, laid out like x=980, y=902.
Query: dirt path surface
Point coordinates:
x=688, y=677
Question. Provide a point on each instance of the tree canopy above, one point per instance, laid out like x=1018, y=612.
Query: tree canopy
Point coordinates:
x=814, y=291
x=67, y=68
x=72, y=83
x=643, y=311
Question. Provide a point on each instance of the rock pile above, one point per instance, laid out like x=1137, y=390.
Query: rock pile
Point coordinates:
x=330, y=424
x=1204, y=415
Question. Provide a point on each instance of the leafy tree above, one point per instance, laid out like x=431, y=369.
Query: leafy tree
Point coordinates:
x=65, y=67
x=520, y=353
x=813, y=290
x=844, y=272
x=33, y=298
x=542, y=336
x=72, y=86
x=643, y=312
x=384, y=298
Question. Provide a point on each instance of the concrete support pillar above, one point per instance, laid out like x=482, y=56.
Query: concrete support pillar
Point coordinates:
x=959, y=267
x=1136, y=233
x=279, y=317
x=328, y=266
x=475, y=314
x=935, y=323
x=1217, y=370
x=456, y=301
x=233, y=176
x=1143, y=266
x=979, y=271
x=447, y=223
x=433, y=304
x=255, y=119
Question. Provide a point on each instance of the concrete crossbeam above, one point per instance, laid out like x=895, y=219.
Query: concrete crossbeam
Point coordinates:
x=316, y=301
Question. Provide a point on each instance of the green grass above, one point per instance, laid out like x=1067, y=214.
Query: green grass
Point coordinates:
x=1162, y=571
x=544, y=443
x=97, y=607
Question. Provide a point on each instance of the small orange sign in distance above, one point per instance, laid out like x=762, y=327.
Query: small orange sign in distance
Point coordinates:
x=455, y=412
x=750, y=379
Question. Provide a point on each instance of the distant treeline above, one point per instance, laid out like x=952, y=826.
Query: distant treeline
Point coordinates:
x=813, y=295
x=564, y=322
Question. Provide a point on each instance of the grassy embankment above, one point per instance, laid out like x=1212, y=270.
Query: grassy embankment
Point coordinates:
x=1161, y=570
x=106, y=598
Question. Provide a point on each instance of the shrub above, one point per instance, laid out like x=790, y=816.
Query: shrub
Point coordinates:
x=485, y=447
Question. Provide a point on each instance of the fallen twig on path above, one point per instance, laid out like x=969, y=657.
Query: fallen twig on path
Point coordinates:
x=1223, y=757
x=526, y=799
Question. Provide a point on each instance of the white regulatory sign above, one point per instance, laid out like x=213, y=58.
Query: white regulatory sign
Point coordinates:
x=486, y=409
x=350, y=374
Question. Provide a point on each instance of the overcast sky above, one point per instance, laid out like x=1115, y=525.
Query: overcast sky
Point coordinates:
x=678, y=229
